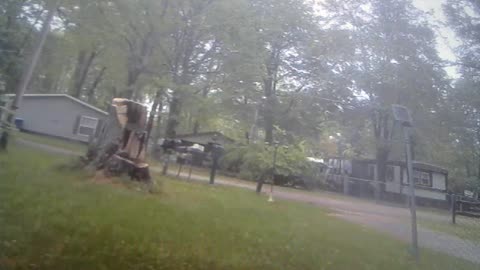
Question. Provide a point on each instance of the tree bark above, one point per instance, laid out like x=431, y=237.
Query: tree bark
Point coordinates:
x=383, y=146
x=268, y=116
x=478, y=175
x=78, y=70
x=158, y=122
x=269, y=84
x=91, y=90
x=84, y=64
x=196, y=127
x=153, y=111
x=253, y=129
x=132, y=78
x=173, y=117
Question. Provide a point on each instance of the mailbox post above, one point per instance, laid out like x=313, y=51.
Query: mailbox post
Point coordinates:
x=217, y=152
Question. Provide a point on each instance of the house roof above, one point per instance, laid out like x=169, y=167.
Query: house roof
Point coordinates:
x=197, y=137
x=62, y=96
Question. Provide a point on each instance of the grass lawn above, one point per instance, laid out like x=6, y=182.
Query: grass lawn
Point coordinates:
x=52, y=141
x=466, y=227
x=51, y=219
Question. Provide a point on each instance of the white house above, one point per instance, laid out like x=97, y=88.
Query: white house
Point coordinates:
x=58, y=115
x=431, y=181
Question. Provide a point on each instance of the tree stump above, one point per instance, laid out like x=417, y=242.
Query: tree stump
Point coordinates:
x=120, y=145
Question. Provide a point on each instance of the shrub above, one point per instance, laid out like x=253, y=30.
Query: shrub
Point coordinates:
x=254, y=160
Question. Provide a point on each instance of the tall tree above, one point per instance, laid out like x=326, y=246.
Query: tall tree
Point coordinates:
x=30, y=65
x=396, y=62
x=464, y=100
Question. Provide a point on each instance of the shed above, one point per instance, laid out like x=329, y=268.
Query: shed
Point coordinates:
x=59, y=115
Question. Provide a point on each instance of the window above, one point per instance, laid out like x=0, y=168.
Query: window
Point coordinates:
x=87, y=126
x=390, y=174
x=422, y=178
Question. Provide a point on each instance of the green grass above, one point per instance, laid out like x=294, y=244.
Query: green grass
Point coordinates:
x=51, y=219
x=466, y=227
x=56, y=142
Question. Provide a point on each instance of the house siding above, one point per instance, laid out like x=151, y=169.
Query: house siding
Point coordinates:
x=439, y=181
x=437, y=191
x=55, y=116
x=395, y=186
x=428, y=194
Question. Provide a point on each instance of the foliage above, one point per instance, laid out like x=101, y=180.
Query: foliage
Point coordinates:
x=254, y=161
x=463, y=101
x=325, y=74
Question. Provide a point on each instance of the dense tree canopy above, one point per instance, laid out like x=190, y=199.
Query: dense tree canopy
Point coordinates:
x=321, y=73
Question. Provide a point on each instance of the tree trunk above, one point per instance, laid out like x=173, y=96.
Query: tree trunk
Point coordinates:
x=120, y=146
x=173, y=117
x=158, y=122
x=382, y=159
x=268, y=117
x=131, y=81
x=196, y=127
x=30, y=68
x=269, y=84
x=81, y=71
x=76, y=74
x=383, y=145
x=91, y=90
x=153, y=111
x=478, y=175
x=253, y=129
x=467, y=169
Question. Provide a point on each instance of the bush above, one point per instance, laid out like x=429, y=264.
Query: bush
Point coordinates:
x=253, y=161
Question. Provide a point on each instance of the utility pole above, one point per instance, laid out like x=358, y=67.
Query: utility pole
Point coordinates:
x=411, y=184
x=402, y=114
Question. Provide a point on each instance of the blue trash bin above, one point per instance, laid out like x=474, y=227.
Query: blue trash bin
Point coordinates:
x=19, y=123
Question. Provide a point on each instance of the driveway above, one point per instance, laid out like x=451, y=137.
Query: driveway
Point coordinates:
x=391, y=220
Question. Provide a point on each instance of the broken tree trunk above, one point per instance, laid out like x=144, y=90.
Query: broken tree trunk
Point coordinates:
x=121, y=144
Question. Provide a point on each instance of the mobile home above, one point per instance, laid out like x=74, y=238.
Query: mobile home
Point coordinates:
x=431, y=181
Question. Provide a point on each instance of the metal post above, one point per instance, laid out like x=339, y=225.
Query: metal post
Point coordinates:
x=376, y=184
x=346, y=188
x=214, y=170
x=413, y=211
x=179, y=169
x=454, y=207
x=165, y=162
x=190, y=171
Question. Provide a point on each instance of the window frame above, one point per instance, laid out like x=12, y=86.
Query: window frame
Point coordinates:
x=419, y=182
x=80, y=125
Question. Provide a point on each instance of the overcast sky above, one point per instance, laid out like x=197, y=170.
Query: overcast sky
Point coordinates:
x=446, y=38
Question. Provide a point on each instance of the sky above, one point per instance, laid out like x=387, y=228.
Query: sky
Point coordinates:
x=446, y=39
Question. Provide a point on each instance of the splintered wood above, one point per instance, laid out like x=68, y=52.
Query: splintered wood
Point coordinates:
x=120, y=145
